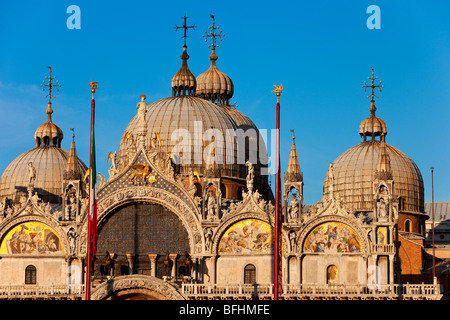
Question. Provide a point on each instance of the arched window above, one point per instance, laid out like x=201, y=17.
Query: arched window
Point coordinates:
x=239, y=193
x=223, y=190
x=198, y=191
x=30, y=274
x=250, y=273
x=407, y=226
x=332, y=274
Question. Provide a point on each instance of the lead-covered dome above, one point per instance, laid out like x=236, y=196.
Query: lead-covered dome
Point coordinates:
x=50, y=163
x=182, y=123
x=215, y=85
x=354, y=173
x=193, y=130
x=350, y=177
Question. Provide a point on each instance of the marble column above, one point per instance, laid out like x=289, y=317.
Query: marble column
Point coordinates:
x=173, y=257
x=130, y=259
x=152, y=257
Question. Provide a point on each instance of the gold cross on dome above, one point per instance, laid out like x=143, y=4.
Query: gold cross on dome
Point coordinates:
x=185, y=27
x=372, y=86
x=213, y=35
x=50, y=85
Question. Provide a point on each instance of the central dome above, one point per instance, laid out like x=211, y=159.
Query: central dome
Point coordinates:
x=191, y=123
x=193, y=128
x=174, y=116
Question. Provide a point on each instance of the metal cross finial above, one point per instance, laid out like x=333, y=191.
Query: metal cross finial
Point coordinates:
x=50, y=85
x=213, y=34
x=185, y=27
x=372, y=86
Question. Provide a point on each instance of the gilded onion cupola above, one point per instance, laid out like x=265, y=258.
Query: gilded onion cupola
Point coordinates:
x=372, y=126
x=49, y=134
x=184, y=82
x=214, y=85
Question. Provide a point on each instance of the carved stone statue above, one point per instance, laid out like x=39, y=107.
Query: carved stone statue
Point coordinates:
x=113, y=169
x=35, y=198
x=293, y=212
x=2, y=208
x=31, y=173
x=72, y=235
x=169, y=168
x=331, y=180
x=142, y=110
x=250, y=175
x=191, y=177
x=73, y=206
x=382, y=208
x=154, y=141
x=211, y=205
x=293, y=241
x=208, y=238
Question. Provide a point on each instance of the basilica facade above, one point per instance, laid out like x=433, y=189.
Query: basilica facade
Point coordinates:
x=193, y=218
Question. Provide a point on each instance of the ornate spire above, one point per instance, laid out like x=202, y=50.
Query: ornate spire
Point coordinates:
x=214, y=85
x=184, y=82
x=372, y=126
x=383, y=170
x=72, y=171
x=293, y=172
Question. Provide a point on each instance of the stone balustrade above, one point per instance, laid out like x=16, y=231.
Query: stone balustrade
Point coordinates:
x=311, y=291
x=248, y=291
x=42, y=292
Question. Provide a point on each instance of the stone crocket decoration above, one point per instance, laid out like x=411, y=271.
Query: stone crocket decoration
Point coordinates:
x=250, y=175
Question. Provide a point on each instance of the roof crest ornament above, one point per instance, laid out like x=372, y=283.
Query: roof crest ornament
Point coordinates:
x=372, y=96
x=213, y=35
x=185, y=27
x=50, y=85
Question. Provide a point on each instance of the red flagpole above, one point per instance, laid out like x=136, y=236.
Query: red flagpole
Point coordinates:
x=277, y=247
x=92, y=234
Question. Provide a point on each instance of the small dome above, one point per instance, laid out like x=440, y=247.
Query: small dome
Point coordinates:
x=48, y=134
x=214, y=85
x=372, y=126
x=183, y=82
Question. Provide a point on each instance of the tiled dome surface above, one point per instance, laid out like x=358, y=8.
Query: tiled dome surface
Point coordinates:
x=354, y=172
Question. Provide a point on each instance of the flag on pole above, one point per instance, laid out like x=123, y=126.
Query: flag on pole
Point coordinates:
x=92, y=213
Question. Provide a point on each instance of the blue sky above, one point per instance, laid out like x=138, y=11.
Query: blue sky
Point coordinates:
x=321, y=51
